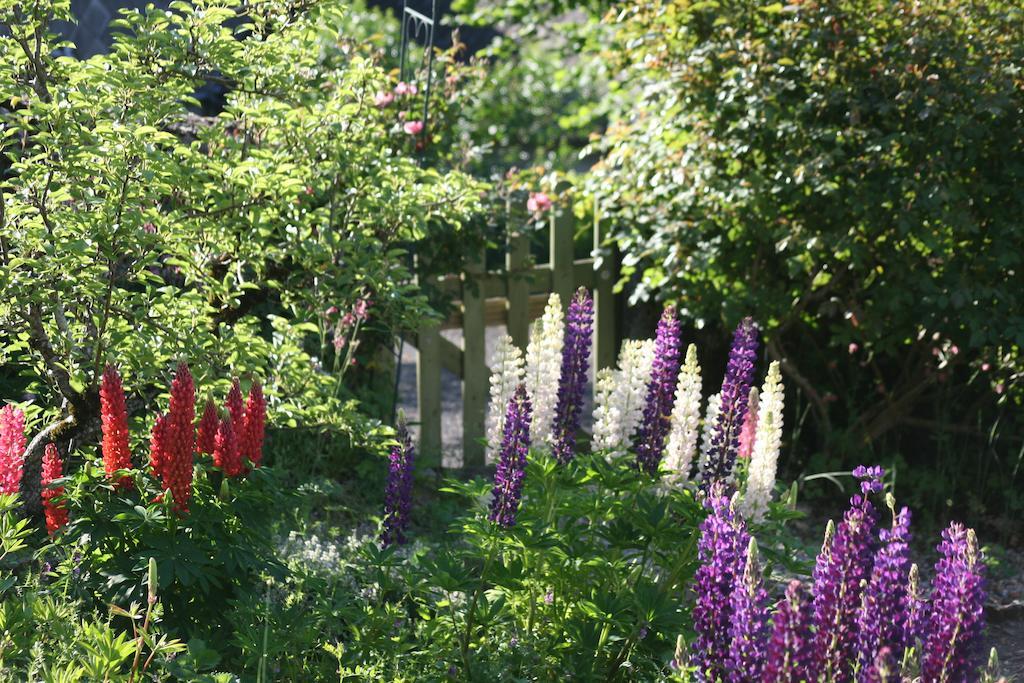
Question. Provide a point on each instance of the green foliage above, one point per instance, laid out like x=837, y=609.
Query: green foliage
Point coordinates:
x=221, y=239
x=846, y=172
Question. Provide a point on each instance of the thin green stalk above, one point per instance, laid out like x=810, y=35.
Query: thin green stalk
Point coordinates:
x=471, y=615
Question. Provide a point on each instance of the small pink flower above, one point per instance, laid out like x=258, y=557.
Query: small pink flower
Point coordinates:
x=339, y=343
x=330, y=311
x=383, y=99
x=985, y=367
x=413, y=127
x=853, y=348
x=538, y=202
x=348, y=319
x=999, y=388
x=360, y=310
x=405, y=88
x=954, y=349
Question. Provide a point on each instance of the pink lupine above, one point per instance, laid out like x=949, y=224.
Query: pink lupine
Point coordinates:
x=12, y=448
x=413, y=127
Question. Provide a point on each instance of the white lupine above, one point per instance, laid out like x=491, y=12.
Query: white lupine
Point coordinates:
x=507, y=373
x=764, y=458
x=621, y=409
x=708, y=428
x=543, y=367
x=606, y=417
x=682, y=439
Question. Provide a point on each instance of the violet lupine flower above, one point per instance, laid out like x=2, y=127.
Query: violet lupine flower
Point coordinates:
x=882, y=621
x=739, y=374
x=883, y=668
x=721, y=550
x=952, y=645
x=398, y=492
x=749, y=630
x=790, y=649
x=511, y=471
x=843, y=567
x=573, y=378
x=650, y=441
x=916, y=608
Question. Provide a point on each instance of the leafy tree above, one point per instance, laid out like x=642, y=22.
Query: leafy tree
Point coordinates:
x=848, y=172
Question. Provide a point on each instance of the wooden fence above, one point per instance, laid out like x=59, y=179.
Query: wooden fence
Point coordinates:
x=514, y=296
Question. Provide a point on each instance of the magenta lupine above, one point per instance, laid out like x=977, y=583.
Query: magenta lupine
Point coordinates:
x=952, y=644
x=511, y=471
x=398, y=491
x=721, y=551
x=749, y=630
x=12, y=448
x=739, y=373
x=843, y=567
x=660, y=394
x=882, y=620
x=790, y=648
x=573, y=377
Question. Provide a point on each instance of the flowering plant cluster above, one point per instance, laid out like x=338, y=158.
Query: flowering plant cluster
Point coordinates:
x=865, y=619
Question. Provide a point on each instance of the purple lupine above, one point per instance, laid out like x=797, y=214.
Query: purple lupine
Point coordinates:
x=882, y=620
x=721, y=551
x=511, y=471
x=952, y=644
x=749, y=630
x=398, y=492
x=725, y=439
x=882, y=669
x=660, y=394
x=573, y=378
x=917, y=613
x=789, y=653
x=843, y=567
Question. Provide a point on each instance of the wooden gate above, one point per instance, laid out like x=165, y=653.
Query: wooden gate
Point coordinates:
x=514, y=296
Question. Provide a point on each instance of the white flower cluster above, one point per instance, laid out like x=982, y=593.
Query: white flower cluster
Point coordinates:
x=710, y=418
x=620, y=403
x=507, y=374
x=311, y=553
x=764, y=457
x=682, y=438
x=543, y=368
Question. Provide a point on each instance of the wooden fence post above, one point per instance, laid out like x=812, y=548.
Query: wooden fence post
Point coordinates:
x=562, y=261
x=518, y=313
x=475, y=379
x=605, y=350
x=428, y=392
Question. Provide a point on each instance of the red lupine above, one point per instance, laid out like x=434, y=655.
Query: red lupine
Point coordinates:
x=176, y=465
x=255, y=424
x=225, y=453
x=158, y=446
x=56, y=512
x=208, y=425
x=235, y=406
x=114, y=418
x=12, y=448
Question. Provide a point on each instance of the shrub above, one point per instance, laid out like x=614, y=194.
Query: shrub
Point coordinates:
x=847, y=172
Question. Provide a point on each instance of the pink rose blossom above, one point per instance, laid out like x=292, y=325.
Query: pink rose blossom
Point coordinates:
x=538, y=202
x=413, y=127
x=405, y=88
x=383, y=99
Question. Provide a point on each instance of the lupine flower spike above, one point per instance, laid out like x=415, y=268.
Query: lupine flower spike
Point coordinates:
x=55, y=511
x=12, y=449
x=749, y=425
x=620, y=395
x=708, y=428
x=882, y=620
x=398, y=492
x=660, y=391
x=255, y=424
x=952, y=648
x=236, y=407
x=721, y=551
x=789, y=653
x=206, y=433
x=764, y=455
x=226, y=454
x=511, y=472
x=543, y=362
x=506, y=376
x=842, y=569
x=573, y=376
x=733, y=411
x=176, y=467
x=114, y=424
x=682, y=438
x=749, y=630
